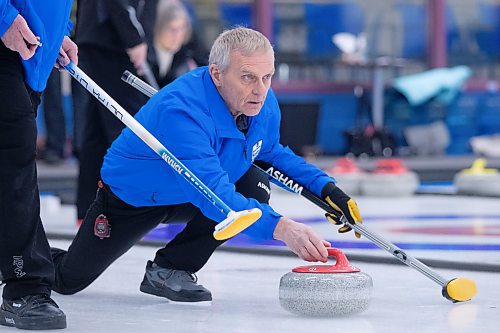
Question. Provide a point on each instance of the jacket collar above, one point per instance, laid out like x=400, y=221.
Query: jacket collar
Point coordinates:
x=224, y=122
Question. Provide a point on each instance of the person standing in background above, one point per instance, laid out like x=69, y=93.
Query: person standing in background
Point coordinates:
x=112, y=38
x=177, y=48
x=79, y=98
x=55, y=125
x=32, y=38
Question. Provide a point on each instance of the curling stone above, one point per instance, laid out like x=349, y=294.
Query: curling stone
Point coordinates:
x=324, y=290
x=478, y=180
x=348, y=175
x=391, y=178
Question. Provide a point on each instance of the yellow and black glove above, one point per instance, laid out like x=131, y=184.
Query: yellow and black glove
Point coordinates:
x=342, y=204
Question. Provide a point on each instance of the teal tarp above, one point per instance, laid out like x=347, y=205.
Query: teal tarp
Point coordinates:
x=441, y=83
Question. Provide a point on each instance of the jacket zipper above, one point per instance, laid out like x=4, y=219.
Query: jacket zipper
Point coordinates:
x=245, y=149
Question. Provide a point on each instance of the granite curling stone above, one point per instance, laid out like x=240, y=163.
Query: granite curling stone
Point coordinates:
x=478, y=180
x=324, y=290
x=391, y=178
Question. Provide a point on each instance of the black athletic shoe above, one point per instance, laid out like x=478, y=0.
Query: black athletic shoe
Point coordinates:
x=180, y=286
x=33, y=312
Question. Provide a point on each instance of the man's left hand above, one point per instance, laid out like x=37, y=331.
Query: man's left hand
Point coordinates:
x=342, y=205
x=302, y=240
x=67, y=53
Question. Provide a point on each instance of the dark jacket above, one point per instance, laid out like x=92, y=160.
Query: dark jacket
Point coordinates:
x=194, y=50
x=114, y=24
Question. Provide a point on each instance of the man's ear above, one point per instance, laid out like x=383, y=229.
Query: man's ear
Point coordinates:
x=215, y=74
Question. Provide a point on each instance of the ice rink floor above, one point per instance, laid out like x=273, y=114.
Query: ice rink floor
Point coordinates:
x=461, y=233
x=245, y=290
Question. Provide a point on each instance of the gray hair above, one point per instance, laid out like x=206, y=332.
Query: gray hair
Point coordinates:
x=242, y=39
x=168, y=11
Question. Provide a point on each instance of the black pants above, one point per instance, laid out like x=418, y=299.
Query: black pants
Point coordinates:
x=25, y=260
x=101, y=126
x=53, y=112
x=88, y=256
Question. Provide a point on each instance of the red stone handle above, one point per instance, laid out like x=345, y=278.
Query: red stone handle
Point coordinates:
x=342, y=265
x=341, y=259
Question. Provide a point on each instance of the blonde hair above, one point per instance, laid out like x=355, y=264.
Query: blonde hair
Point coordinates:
x=242, y=39
x=168, y=11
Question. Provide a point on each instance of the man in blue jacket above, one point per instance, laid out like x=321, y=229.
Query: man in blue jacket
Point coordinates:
x=32, y=38
x=217, y=120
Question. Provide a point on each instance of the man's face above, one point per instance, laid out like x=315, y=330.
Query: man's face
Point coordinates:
x=244, y=84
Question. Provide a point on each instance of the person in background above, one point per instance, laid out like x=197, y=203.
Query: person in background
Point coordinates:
x=112, y=38
x=79, y=98
x=55, y=125
x=177, y=48
x=33, y=36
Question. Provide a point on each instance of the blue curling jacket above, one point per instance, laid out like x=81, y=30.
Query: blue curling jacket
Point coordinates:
x=191, y=119
x=47, y=19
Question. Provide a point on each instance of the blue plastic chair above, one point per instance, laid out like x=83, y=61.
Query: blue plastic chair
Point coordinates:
x=488, y=35
x=233, y=14
x=325, y=20
x=415, y=20
x=241, y=14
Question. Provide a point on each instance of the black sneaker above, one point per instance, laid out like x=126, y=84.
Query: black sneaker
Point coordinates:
x=173, y=284
x=32, y=312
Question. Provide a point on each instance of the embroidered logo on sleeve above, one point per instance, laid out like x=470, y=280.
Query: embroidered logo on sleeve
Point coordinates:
x=256, y=150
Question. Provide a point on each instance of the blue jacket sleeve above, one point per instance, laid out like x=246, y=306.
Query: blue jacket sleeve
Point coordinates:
x=7, y=15
x=196, y=151
x=288, y=162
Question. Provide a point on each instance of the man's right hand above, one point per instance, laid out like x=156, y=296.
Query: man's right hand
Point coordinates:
x=19, y=38
x=302, y=240
x=138, y=55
